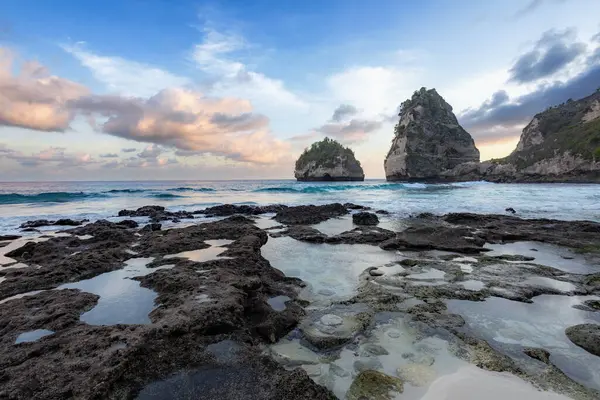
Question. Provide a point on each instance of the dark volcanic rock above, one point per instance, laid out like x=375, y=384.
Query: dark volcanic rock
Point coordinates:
x=204, y=339
x=226, y=210
x=583, y=235
x=44, y=222
x=309, y=215
x=65, y=259
x=461, y=240
x=9, y=237
x=151, y=228
x=128, y=223
x=586, y=336
x=589, y=305
x=365, y=218
x=157, y=214
x=362, y=235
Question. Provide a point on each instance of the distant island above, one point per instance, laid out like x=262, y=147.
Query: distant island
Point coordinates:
x=328, y=160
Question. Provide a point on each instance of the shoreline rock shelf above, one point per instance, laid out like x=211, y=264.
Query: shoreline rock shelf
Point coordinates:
x=233, y=323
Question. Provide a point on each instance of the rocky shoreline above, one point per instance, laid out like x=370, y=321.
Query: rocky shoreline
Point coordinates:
x=224, y=322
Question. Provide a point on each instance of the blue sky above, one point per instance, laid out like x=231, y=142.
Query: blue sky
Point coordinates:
x=236, y=89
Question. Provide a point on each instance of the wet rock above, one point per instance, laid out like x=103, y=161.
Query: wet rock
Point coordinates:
x=362, y=235
x=325, y=331
x=153, y=227
x=365, y=218
x=586, y=336
x=226, y=210
x=510, y=210
x=156, y=213
x=44, y=222
x=382, y=212
x=374, y=385
x=416, y=374
x=119, y=361
x=376, y=272
x=368, y=363
x=310, y=215
x=128, y=223
x=581, y=235
x=293, y=354
x=9, y=237
x=374, y=349
x=514, y=257
x=305, y=234
x=589, y=305
x=542, y=355
x=351, y=206
x=460, y=240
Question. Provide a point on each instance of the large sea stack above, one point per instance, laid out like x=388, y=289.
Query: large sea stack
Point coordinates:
x=328, y=160
x=560, y=144
x=428, y=140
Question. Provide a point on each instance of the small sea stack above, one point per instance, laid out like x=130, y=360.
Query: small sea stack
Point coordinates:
x=328, y=160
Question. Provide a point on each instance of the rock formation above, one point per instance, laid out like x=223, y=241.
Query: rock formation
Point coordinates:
x=560, y=144
x=328, y=160
x=428, y=140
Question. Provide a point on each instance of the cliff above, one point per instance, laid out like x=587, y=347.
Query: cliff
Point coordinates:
x=428, y=140
x=328, y=160
x=560, y=144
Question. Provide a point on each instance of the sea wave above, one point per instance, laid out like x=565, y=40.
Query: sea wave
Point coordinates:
x=191, y=189
x=339, y=188
x=126, y=191
x=48, y=197
x=165, y=196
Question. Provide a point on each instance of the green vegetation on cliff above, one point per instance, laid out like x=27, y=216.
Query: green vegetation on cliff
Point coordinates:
x=563, y=129
x=325, y=153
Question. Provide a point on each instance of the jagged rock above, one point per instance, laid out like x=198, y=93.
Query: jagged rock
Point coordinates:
x=9, y=237
x=428, y=140
x=308, y=215
x=460, y=240
x=560, y=144
x=586, y=336
x=151, y=228
x=44, y=222
x=225, y=210
x=157, y=214
x=365, y=218
x=328, y=160
x=128, y=223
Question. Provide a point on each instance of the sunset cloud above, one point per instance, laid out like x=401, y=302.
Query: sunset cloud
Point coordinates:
x=188, y=121
x=34, y=99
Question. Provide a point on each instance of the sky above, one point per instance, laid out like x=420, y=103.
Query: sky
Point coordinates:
x=161, y=89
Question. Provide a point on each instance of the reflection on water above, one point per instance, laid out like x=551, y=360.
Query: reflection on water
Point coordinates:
x=331, y=271
x=32, y=336
x=122, y=300
x=511, y=325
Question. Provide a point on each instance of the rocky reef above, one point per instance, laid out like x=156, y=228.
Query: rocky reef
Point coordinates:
x=427, y=140
x=328, y=160
x=300, y=302
x=560, y=144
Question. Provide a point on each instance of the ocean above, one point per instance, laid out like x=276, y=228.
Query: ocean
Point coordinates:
x=22, y=201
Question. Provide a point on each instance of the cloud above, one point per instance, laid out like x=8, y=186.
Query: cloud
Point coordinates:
x=218, y=55
x=129, y=150
x=373, y=90
x=53, y=156
x=344, y=111
x=151, y=152
x=109, y=155
x=518, y=111
x=188, y=121
x=33, y=98
x=353, y=131
x=123, y=76
x=532, y=6
x=553, y=52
